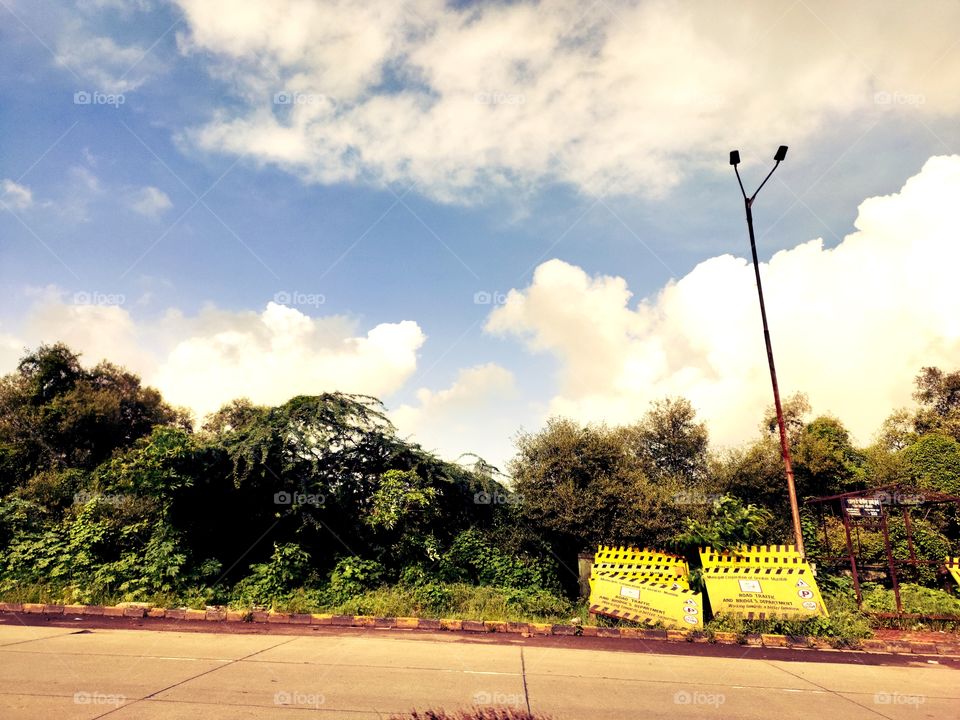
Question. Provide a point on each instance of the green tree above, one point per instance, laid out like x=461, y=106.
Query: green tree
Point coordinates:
x=55, y=414
x=825, y=460
x=583, y=485
x=939, y=396
x=933, y=463
x=669, y=442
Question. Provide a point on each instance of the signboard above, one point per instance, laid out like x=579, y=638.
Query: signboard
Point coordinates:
x=646, y=602
x=757, y=582
x=953, y=567
x=863, y=507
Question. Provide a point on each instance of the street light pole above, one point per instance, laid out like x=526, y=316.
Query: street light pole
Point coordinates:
x=784, y=440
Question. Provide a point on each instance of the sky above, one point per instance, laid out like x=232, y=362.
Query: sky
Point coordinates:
x=485, y=214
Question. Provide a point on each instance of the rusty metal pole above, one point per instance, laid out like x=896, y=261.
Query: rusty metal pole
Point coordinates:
x=909, y=529
x=784, y=440
x=893, y=565
x=853, y=558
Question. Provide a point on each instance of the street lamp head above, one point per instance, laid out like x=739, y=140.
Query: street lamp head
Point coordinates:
x=735, y=157
x=781, y=153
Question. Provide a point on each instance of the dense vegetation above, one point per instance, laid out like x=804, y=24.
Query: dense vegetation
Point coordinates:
x=108, y=494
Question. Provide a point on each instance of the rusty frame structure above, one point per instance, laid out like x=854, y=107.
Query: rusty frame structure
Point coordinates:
x=871, y=508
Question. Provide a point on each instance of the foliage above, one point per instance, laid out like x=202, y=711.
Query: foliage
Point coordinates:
x=55, y=414
x=939, y=396
x=825, y=459
x=730, y=523
x=933, y=463
x=107, y=494
x=586, y=484
x=669, y=443
x=352, y=576
x=915, y=599
x=846, y=626
x=473, y=558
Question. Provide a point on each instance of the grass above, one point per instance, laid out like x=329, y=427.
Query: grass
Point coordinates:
x=845, y=627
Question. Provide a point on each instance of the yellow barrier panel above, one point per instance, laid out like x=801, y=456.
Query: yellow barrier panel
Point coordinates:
x=953, y=567
x=759, y=593
x=647, y=602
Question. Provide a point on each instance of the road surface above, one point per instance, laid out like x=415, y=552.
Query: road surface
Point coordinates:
x=51, y=672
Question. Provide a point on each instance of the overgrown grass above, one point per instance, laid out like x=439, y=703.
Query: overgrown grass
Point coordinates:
x=845, y=627
x=915, y=599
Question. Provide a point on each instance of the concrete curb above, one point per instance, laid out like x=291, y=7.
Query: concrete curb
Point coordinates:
x=142, y=610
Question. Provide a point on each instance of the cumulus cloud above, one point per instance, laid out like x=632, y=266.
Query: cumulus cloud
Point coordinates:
x=851, y=325
x=613, y=97
x=205, y=360
x=150, y=201
x=477, y=413
x=16, y=195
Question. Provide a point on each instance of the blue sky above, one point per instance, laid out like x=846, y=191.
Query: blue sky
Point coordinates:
x=401, y=183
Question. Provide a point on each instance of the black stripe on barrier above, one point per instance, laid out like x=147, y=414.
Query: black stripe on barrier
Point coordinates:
x=727, y=570
x=645, y=554
x=641, y=567
x=649, y=584
x=661, y=579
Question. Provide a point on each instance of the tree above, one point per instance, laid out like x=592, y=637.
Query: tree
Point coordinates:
x=669, y=443
x=826, y=462
x=933, y=463
x=939, y=396
x=755, y=475
x=582, y=485
x=56, y=414
x=795, y=409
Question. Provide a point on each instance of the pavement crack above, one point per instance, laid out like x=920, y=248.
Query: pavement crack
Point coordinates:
x=523, y=676
x=193, y=677
x=828, y=690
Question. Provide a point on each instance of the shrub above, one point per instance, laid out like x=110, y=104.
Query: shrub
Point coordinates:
x=352, y=576
x=289, y=567
x=472, y=558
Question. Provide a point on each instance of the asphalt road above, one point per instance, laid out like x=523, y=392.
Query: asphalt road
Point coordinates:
x=54, y=672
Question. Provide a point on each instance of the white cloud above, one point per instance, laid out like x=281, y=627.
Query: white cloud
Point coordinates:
x=851, y=325
x=109, y=67
x=150, y=201
x=206, y=360
x=618, y=96
x=478, y=413
x=16, y=195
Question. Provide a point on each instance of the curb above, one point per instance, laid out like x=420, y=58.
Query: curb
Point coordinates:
x=142, y=610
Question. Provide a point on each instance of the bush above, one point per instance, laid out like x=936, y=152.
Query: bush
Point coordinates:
x=472, y=558
x=352, y=576
x=289, y=567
